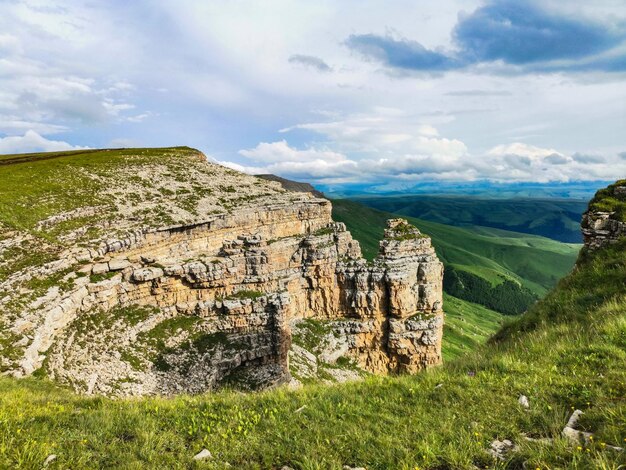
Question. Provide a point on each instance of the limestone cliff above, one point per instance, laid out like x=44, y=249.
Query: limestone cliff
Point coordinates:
x=605, y=220
x=209, y=292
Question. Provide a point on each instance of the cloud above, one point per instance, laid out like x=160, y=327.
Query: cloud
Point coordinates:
x=518, y=34
x=516, y=161
x=519, y=148
x=279, y=158
x=281, y=152
x=310, y=61
x=438, y=157
x=478, y=93
x=523, y=162
x=31, y=141
x=586, y=158
x=521, y=33
x=402, y=54
x=384, y=132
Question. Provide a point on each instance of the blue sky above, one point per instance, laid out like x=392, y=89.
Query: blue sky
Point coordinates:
x=325, y=91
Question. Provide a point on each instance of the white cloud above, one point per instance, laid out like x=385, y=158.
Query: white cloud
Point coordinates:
x=327, y=165
x=448, y=160
x=31, y=141
x=519, y=148
x=281, y=152
x=384, y=131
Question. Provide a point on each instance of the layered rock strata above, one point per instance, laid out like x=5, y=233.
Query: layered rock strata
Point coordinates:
x=604, y=222
x=600, y=229
x=191, y=307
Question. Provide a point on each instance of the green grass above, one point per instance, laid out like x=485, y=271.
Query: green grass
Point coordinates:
x=29, y=181
x=606, y=200
x=467, y=325
x=535, y=262
x=34, y=187
x=568, y=352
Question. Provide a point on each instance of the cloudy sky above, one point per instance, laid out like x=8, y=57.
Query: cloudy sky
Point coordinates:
x=326, y=91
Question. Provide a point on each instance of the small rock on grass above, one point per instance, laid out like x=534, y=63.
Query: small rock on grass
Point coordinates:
x=500, y=449
x=203, y=454
x=523, y=401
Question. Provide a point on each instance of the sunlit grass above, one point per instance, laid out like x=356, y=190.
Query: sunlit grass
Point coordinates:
x=561, y=358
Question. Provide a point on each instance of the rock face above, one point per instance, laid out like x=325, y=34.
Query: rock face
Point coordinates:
x=604, y=222
x=600, y=229
x=188, y=308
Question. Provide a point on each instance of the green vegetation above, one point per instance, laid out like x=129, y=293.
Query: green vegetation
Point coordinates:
x=28, y=180
x=152, y=344
x=323, y=231
x=507, y=297
x=102, y=277
x=310, y=333
x=49, y=201
x=567, y=353
x=558, y=219
x=406, y=232
x=609, y=200
x=531, y=263
x=467, y=326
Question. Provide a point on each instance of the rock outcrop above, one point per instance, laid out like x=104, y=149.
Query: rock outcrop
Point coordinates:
x=187, y=308
x=605, y=220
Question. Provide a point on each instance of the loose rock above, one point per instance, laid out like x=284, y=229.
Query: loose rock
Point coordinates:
x=523, y=401
x=202, y=455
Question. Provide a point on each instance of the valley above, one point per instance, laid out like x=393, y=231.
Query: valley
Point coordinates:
x=558, y=219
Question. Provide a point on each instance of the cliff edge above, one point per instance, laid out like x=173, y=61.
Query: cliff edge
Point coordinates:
x=153, y=271
x=604, y=222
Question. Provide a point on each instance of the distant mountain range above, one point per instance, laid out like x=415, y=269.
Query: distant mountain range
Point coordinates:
x=582, y=190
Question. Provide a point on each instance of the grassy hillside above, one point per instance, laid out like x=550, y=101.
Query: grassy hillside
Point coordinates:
x=609, y=200
x=467, y=326
x=536, y=262
x=558, y=219
x=567, y=353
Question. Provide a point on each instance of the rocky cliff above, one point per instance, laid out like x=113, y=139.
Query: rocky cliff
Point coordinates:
x=163, y=273
x=605, y=220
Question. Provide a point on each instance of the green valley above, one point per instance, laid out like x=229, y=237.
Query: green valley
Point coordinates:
x=554, y=218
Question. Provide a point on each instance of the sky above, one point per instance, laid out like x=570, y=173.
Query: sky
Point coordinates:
x=387, y=92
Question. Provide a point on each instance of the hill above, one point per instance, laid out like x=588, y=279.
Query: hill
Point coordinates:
x=567, y=353
x=558, y=219
x=292, y=185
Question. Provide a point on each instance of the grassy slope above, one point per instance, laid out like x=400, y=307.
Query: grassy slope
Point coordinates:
x=23, y=204
x=606, y=200
x=536, y=262
x=554, y=218
x=567, y=352
x=467, y=326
